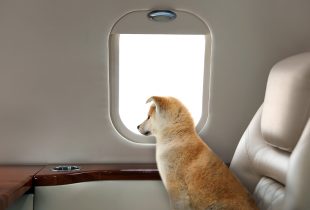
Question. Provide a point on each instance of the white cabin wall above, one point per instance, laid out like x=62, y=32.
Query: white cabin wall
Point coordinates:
x=54, y=89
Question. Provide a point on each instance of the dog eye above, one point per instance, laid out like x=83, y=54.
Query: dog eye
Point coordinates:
x=148, y=117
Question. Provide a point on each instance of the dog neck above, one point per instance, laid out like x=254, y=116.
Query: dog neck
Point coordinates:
x=175, y=134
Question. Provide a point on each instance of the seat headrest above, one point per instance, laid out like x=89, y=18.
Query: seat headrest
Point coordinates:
x=286, y=106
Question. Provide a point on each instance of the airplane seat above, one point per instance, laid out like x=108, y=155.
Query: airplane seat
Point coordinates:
x=272, y=158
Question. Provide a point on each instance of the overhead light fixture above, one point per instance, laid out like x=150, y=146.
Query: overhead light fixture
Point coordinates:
x=162, y=15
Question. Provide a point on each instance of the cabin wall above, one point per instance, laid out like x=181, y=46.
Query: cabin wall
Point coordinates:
x=54, y=90
x=116, y=195
x=23, y=203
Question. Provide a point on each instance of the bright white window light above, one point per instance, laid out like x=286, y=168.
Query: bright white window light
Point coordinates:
x=161, y=65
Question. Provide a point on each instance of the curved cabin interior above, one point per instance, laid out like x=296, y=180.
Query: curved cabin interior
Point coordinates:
x=75, y=75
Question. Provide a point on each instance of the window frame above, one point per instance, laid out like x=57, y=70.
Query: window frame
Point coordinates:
x=115, y=117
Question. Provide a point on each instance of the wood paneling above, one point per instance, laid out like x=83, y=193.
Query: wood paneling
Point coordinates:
x=47, y=177
x=14, y=182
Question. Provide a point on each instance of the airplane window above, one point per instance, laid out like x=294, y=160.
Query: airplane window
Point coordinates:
x=163, y=65
x=164, y=58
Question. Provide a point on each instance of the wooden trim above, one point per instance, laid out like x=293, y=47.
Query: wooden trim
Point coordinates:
x=14, y=182
x=47, y=177
x=17, y=180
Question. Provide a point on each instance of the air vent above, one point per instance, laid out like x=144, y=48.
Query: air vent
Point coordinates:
x=66, y=168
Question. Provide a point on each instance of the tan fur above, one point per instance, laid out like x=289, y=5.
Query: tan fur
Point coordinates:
x=195, y=178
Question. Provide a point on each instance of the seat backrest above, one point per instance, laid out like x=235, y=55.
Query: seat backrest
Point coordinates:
x=273, y=156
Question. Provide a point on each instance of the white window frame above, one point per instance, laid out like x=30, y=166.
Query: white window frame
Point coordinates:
x=137, y=23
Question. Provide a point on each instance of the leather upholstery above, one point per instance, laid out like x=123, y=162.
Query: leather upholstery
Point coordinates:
x=269, y=194
x=286, y=104
x=272, y=157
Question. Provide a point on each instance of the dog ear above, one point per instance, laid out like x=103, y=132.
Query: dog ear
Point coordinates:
x=160, y=102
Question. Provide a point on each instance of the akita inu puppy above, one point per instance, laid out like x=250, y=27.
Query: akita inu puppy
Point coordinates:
x=195, y=178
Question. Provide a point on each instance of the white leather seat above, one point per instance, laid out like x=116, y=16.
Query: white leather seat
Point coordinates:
x=273, y=157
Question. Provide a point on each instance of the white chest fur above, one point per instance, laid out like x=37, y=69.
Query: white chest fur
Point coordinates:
x=167, y=166
x=162, y=159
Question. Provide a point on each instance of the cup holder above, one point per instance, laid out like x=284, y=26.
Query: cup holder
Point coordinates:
x=66, y=168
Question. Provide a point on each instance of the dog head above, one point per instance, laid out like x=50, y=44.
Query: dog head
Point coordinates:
x=166, y=115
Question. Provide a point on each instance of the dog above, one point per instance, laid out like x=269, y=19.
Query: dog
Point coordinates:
x=194, y=177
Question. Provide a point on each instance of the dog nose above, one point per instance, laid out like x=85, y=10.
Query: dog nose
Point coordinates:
x=138, y=126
